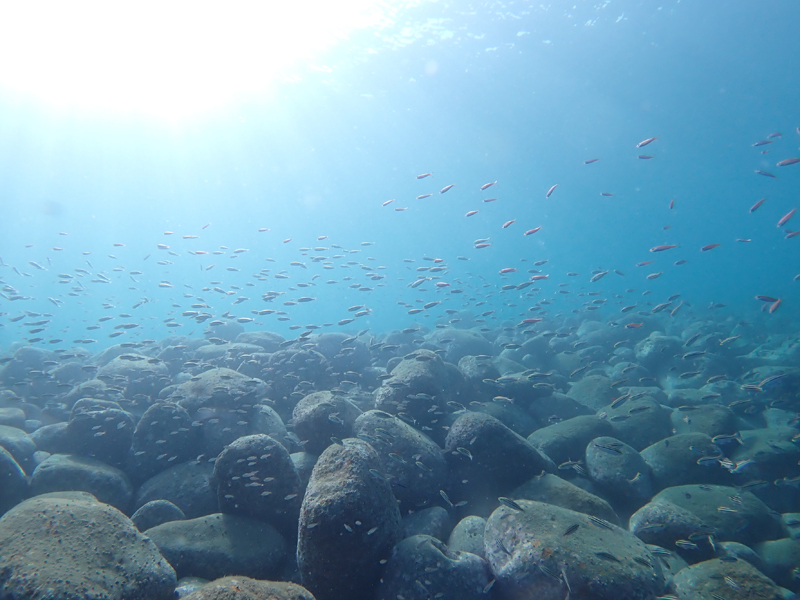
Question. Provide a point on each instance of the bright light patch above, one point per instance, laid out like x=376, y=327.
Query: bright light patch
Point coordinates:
x=170, y=58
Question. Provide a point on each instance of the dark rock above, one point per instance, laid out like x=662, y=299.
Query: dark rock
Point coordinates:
x=14, y=488
x=136, y=374
x=434, y=522
x=568, y=439
x=775, y=456
x=256, y=478
x=265, y=420
x=188, y=486
x=663, y=524
x=224, y=402
x=557, y=407
x=409, y=458
x=99, y=429
x=710, y=419
x=224, y=330
x=655, y=351
x=19, y=445
x=708, y=580
x=70, y=473
x=156, y=512
x=460, y=343
x=286, y=368
x=640, y=422
x=218, y=545
x=620, y=472
x=163, y=437
x=791, y=524
x=511, y=415
x=322, y=415
x=51, y=438
x=352, y=357
x=219, y=388
x=475, y=370
x=493, y=460
x=79, y=549
x=747, y=521
x=674, y=461
x=781, y=560
x=304, y=465
x=731, y=550
x=421, y=381
x=444, y=572
x=593, y=391
x=94, y=388
x=529, y=551
x=551, y=489
x=244, y=588
x=12, y=417
x=467, y=536
x=337, y=557
x=270, y=342
x=187, y=585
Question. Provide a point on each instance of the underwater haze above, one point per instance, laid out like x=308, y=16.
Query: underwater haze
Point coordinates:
x=445, y=250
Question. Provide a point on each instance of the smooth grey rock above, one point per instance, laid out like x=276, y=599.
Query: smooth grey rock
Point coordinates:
x=434, y=522
x=775, y=456
x=156, y=512
x=256, y=478
x=444, y=572
x=304, y=465
x=710, y=419
x=420, y=376
x=708, y=577
x=337, y=557
x=781, y=560
x=731, y=550
x=640, y=422
x=244, y=588
x=163, y=437
x=559, y=406
x=663, y=523
x=51, y=438
x=747, y=521
x=593, y=391
x=187, y=585
x=467, y=536
x=67, y=472
x=621, y=473
x=136, y=373
x=14, y=488
x=12, y=417
x=551, y=489
x=19, y=445
x=568, y=439
x=188, y=486
x=461, y=343
x=674, y=461
x=218, y=545
x=99, y=429
x=791, y=524
x=413, y=486
x=79, y=548
x=269, y=341
x=322, y=415
x=499, y=460
x=527, y=551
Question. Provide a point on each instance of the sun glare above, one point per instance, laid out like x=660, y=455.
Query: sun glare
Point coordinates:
x=169, y=58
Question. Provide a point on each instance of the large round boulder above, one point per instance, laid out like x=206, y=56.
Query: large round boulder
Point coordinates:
x=72, y=547
x=349, y=521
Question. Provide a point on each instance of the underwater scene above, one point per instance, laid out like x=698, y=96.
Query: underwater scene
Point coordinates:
x=409, y=300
